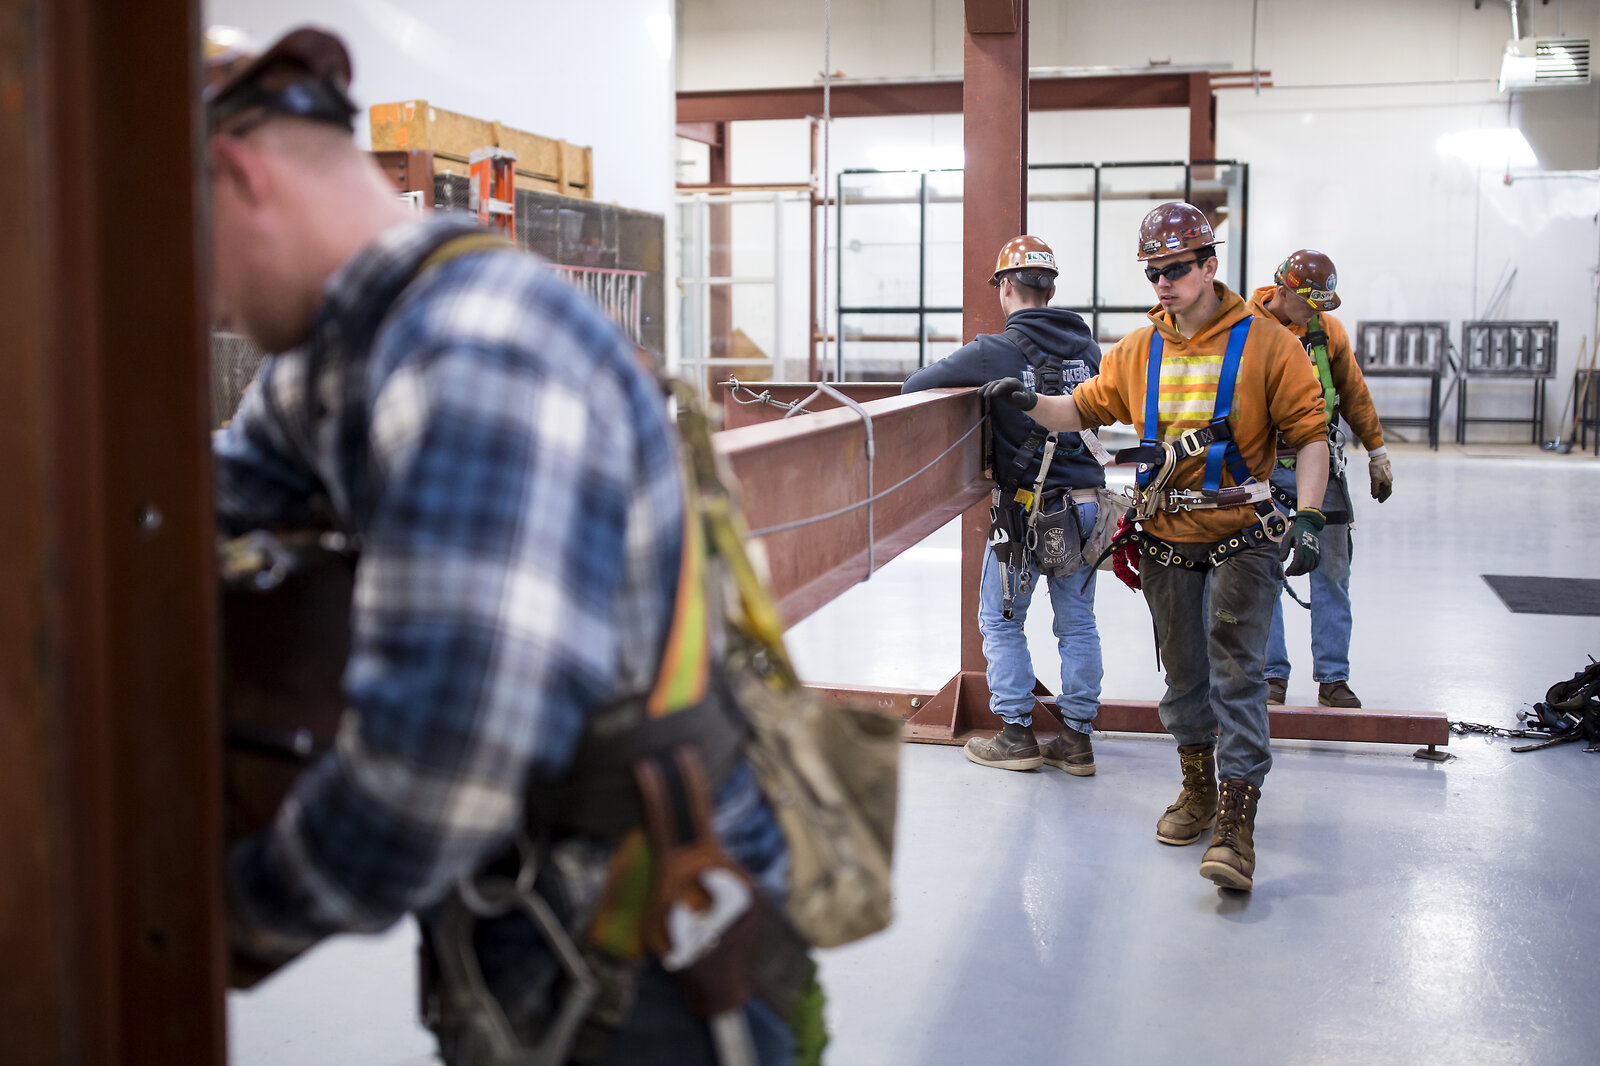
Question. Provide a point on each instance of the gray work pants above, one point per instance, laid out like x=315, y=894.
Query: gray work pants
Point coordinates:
x=1215, y=653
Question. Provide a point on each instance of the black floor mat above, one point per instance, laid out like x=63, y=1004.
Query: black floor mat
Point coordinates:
x=1547, y=595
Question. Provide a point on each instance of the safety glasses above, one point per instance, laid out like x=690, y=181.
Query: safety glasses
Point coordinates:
x=1172, y=272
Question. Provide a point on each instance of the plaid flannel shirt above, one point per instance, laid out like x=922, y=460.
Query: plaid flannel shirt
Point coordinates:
x=513, y=478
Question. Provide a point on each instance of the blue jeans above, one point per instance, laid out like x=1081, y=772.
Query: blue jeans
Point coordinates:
x=1330, y=599
x=1005, y=646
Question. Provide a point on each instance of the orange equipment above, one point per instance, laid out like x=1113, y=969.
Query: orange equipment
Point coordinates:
x=492, y=192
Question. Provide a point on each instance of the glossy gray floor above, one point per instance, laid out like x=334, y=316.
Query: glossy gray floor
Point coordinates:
x=1404, y=912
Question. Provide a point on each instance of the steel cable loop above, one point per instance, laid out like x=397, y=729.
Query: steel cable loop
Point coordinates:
x=735, y=386
x=824, y=389
x=800, y=522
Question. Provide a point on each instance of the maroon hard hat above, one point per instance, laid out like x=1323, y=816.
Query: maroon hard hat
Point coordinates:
x=1172, y=228
x=304, y=74
x=1310, y=275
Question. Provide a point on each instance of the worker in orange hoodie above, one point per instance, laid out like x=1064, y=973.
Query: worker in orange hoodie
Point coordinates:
x=1210, y=387
x=1299, y=299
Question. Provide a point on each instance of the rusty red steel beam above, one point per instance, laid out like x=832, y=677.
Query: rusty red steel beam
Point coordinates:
x=816, y=464
x=944, y=716
x=707, y=133
x=111, y=928
x=738, y=409
x=873, y=99
x=995, y=101
x=993, y=16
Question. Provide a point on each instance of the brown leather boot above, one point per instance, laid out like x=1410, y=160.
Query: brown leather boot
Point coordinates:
x=1013, y=748
x=1230, y=861
x=1196, y=805
x=1336, y=694
x=1072, y=751
x=1277, y=690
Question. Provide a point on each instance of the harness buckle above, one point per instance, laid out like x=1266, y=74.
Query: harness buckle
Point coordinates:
x=1189, y=443
x=1185, y=500
x=1275, y=526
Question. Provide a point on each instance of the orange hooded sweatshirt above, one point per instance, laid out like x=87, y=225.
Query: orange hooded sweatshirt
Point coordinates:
x=1276, y=391
x=1355, y=402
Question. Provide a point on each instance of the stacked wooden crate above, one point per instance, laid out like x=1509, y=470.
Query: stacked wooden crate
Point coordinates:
x=543, y=163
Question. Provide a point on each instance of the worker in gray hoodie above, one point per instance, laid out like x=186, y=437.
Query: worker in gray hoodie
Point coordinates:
x=1044, y=507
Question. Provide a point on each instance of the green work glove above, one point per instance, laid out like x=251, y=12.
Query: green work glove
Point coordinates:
x=1305, y=550
x=1011, y=391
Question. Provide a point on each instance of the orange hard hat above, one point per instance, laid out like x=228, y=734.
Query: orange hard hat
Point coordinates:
x=1310, y=275
x=1024, y=253
x=1172, y=228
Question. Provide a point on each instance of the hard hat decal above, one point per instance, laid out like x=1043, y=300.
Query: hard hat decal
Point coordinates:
x=1318, y=295
x=1039, y=257
x=1333, y=282
x=1174, y=227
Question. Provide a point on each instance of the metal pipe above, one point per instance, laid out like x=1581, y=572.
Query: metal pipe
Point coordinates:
x=816, y=325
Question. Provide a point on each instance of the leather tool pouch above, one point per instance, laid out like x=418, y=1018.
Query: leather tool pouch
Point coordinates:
x=701, y=920
x=1008, y=530
x=1056, y=539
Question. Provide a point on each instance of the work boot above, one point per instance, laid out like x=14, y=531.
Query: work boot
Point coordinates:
x=1277, y=689
x=1230, y=861
x=1013, y=748
x=1196, y=806
x=1072, y=752
x=1336, y=694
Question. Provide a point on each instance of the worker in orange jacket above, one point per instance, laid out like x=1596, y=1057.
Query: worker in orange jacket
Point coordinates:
x=1210, y=388
x=1299, y=299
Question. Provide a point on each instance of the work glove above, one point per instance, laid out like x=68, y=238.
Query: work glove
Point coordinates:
x=1125, y=554
x=1011, y=391
x=1305, y=551
x=1382, y=475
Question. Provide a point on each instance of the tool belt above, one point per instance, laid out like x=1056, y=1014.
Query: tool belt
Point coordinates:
x=285, y=622
x=1162, y=459
x=598, y=795
x=1166, y=553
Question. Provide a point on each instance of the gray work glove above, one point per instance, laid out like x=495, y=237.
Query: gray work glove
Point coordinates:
x=1011, y=391
x=1304, y=546
x=1382, y=475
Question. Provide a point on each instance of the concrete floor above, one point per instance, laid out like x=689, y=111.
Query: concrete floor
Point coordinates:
x=1404, y=912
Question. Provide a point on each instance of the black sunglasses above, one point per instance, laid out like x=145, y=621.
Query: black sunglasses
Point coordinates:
x=1171, y=272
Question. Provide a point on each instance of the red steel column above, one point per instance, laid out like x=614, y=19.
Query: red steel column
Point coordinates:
x=1202, y=117
x=110, y=822
x=995, y=209
x=719, y=261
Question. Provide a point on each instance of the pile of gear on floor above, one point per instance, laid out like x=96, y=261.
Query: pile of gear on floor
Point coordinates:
x=1569, y=712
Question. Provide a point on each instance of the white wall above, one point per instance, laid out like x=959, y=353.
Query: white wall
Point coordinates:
x=556, y=69
x=1345, y=153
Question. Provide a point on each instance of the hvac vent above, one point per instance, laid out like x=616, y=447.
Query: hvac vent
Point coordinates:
x=1545, y=63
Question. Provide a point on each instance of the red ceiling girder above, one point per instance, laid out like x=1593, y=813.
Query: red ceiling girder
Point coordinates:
x=865, y=100
x=705, y=132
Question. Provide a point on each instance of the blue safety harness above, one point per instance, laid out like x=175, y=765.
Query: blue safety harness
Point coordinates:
x=1222, y=449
